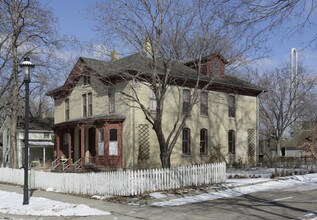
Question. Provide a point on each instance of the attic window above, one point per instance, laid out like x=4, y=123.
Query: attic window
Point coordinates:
x=86, y=80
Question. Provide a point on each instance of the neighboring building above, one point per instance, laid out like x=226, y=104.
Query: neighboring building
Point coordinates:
x=95, y=125
x=41, y=144
x=300, y=134
x=292, y=143
x=5, y=142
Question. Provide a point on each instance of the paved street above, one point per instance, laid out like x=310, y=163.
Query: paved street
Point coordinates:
x=261, y=205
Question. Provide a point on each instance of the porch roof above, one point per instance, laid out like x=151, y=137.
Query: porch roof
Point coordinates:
x=92, y=120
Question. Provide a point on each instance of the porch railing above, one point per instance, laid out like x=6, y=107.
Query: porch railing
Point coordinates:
x=65, y=164
x=92, y=159
x=77, y=164
x=55, y=163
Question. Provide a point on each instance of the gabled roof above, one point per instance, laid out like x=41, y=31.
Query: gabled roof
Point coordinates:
x=140, y=63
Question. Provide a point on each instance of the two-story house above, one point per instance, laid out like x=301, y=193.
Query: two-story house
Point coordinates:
x=95, y=124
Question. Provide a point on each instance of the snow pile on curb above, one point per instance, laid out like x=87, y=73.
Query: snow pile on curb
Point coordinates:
x=308, y=182
x=43, y=207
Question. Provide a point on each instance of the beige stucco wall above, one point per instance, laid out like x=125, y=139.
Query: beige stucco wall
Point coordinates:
x=217, y=122
x=100, y=99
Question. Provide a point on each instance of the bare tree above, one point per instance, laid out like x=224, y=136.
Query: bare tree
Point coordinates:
x=164, y=31
x=285, y=101
x=26, y=28
x=263, y=17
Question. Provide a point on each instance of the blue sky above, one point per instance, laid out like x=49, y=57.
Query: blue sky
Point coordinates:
x=72, y=15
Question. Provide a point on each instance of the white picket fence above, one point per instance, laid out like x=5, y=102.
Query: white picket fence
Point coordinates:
x=124, y=183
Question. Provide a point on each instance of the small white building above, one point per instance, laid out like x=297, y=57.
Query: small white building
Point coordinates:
x=41, y=141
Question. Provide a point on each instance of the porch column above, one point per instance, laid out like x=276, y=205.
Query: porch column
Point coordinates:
x=120, y=150
x=82, y=143
x=57, y=141
x=44, y=156
x=69, y=146
x=97, y=141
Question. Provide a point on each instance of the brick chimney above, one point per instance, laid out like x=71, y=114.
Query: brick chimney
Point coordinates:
x=147, y=47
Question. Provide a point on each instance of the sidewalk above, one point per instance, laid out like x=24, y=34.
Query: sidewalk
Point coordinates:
x=133, y=207
x=118, y=211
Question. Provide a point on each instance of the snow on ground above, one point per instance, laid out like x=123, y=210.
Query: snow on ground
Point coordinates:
x=238, y=187
x=158, y=195
x=234, y=187
x=11, y=203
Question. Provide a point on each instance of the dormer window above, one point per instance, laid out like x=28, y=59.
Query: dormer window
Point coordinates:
x=86, y=80
x=215, y=68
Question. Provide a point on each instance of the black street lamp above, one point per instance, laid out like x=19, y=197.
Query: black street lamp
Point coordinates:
x=26, y=66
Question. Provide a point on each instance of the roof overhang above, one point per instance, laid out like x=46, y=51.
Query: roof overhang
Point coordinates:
x=92, y=121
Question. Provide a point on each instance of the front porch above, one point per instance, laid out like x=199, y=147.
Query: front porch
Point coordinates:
x=94, y=143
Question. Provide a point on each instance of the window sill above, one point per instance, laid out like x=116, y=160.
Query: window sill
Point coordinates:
x=204, y=116
x=231, y=118
x=186, y=114
x=204, y=155
x=186, y=155
x=152, y=111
